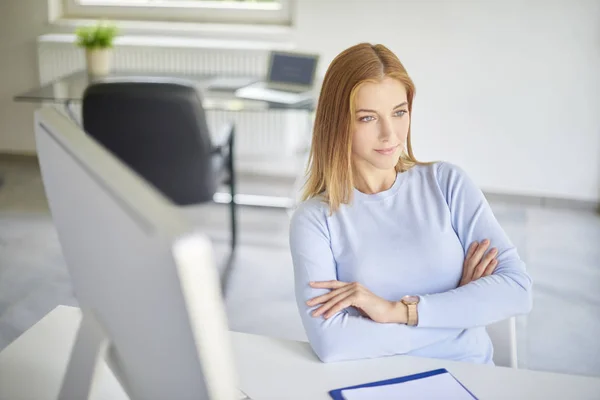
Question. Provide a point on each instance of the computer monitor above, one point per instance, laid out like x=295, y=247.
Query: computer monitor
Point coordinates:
x=292, y=71
x=144, y=279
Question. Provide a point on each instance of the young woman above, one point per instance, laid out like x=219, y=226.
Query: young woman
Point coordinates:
x=391, y=255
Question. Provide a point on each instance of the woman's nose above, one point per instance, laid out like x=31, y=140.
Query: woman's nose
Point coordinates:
x=386, y=129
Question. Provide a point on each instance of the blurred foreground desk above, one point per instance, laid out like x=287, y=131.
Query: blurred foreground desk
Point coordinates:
x=216, y=91
x=33, y=365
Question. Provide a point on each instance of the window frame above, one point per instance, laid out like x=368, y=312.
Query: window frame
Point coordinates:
x=217, y=12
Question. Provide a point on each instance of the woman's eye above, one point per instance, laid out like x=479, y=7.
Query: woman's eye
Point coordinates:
x=400, y=113
x=367, y=118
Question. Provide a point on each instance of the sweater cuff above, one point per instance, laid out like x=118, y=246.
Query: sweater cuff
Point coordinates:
x=424, y=312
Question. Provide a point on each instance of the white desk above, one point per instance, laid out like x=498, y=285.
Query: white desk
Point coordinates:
x=32, y=367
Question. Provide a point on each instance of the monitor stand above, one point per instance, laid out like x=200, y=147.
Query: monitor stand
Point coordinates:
x=91, y=347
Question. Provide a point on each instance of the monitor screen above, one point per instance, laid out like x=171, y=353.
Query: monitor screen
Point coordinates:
x=294, y=69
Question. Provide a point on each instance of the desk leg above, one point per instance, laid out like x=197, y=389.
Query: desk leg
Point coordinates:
x=232, y=185
x=279, y=202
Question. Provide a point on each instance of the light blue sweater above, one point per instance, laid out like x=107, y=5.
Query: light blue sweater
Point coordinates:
x=408, y=240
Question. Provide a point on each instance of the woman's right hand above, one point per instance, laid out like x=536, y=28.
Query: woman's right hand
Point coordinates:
x=478, y=263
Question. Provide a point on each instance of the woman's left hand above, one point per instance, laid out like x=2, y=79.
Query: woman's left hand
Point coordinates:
x=343, y=295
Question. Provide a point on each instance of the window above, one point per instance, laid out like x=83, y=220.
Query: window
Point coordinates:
x=211, y=11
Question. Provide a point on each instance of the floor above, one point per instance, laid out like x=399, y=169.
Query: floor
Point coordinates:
x=560, y=246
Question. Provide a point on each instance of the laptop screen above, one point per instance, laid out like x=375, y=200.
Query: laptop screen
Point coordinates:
x=294, y=69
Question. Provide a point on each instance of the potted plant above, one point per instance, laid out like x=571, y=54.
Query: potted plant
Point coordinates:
x=97, y=40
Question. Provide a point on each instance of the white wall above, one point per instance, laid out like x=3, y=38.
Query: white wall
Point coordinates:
x=507, y=89
x=21, y=21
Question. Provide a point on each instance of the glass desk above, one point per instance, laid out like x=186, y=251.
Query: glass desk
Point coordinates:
x=217, y=92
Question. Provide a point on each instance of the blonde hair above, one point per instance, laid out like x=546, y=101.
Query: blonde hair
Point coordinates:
x=329, y=170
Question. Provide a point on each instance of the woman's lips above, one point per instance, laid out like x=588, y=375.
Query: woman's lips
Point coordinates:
x=387, y=151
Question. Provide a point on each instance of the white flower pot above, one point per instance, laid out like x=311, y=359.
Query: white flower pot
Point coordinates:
x=99, y=61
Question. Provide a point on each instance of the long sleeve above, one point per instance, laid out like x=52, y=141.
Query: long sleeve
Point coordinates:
x=346, y=335
x=505, y=293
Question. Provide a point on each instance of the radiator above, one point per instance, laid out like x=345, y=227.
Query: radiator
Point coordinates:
x=259, y=134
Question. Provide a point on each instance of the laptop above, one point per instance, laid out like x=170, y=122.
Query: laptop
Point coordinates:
x=290, y=79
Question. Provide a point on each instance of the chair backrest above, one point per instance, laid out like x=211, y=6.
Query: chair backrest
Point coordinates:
x=158, y=128
x=504, y=338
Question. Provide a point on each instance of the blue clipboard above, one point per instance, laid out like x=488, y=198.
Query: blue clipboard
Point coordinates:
x=337, y=393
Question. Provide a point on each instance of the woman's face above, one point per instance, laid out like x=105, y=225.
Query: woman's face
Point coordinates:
x=381, y=124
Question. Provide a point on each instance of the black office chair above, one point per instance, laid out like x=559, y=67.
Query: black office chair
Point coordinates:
x=158, y=128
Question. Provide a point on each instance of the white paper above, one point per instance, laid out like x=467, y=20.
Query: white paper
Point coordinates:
x=442, y=386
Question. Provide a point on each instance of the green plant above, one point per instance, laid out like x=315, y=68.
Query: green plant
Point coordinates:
x=99, y=36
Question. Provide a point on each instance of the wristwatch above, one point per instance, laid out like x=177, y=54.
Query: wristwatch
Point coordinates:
x=411, y=303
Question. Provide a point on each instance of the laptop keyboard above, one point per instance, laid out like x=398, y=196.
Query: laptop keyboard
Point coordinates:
x=272, y=95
